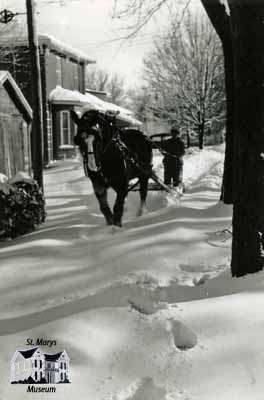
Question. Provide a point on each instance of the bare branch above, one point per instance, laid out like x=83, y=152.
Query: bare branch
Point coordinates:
x=186, y=76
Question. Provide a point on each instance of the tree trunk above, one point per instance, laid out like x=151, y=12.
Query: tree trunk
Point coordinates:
x=248, y=214
x=188, y=140
x=228, y=182
x=221, y=22
x=244, y=180
x=201, y=136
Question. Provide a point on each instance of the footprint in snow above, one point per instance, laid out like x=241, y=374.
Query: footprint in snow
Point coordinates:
x=183, y=337
x=145, y=306
x=144, y=389
x=201, y=281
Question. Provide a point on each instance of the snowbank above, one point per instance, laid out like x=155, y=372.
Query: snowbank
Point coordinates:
x=149, y=312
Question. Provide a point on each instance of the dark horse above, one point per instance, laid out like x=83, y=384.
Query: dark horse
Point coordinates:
x=112, y=157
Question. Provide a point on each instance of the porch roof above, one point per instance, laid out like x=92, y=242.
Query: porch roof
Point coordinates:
x=88, y=102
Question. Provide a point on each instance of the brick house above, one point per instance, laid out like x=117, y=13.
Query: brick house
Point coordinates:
x=61, y=65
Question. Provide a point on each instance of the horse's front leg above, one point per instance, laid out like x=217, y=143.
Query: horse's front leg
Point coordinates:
x=101, y=194
x=119, y=207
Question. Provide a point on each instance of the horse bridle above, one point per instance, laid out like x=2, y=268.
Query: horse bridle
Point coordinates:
x=127, y=154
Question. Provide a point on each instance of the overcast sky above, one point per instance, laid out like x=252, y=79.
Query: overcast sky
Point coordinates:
x=88, y=25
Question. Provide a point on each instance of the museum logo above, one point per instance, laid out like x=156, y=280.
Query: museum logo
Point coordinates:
x=34, y=367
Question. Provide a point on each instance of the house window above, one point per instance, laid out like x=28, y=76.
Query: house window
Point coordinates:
x=65, y=128
x=58, y=71
x=36, y=376
x=61, y=376
x=36, y=363
x=40, y=363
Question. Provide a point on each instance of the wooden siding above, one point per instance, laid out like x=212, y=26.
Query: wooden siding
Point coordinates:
x=14, y=138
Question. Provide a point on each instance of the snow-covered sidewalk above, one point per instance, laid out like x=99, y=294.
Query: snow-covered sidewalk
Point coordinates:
x=147, y=313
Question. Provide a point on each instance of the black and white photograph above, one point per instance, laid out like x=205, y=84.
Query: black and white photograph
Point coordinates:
x=132, y=199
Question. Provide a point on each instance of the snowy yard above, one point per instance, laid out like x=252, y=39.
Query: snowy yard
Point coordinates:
x=148, y=312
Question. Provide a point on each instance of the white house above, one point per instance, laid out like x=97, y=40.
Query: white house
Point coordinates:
x=57, y=367
x=26, y=364
x=35, y=366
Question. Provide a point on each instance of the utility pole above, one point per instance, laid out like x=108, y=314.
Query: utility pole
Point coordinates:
x=37, y=125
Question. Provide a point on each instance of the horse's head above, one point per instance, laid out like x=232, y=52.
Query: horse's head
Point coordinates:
x=88, y=120
x=88, y=138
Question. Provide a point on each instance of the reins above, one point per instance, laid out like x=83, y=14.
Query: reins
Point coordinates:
x=130, y=157
x=164, y=152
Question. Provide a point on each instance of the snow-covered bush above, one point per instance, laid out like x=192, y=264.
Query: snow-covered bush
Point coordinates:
x=22, y=206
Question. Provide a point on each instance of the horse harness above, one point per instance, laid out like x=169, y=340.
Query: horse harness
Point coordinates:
x=128, y=156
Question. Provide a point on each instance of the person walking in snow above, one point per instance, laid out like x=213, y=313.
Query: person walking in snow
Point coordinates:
x=173, y=159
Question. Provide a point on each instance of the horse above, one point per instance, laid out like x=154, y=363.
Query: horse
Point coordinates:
x=112, y=157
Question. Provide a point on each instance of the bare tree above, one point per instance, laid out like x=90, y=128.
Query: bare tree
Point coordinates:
x=113, y=84
x=12, y=57
x=97, y=79
x=185, y=73
x=140, y=102
x=116, y=89
x=239, y=24
x=139, y=12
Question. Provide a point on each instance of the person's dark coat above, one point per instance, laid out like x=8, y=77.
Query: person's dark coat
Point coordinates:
x=173, y=160
x=173, y=147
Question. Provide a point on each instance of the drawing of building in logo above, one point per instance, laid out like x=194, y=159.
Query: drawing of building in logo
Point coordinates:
x=35, y=366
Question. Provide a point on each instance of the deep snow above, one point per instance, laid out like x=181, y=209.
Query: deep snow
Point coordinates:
x=148, y=312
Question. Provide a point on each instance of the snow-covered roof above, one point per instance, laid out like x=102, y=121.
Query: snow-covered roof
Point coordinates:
x=21, y=176
x=51, y=43
x=13, y=90
x=88, y=102
x=60, y=47
x=123, y=110
x=97, y=92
